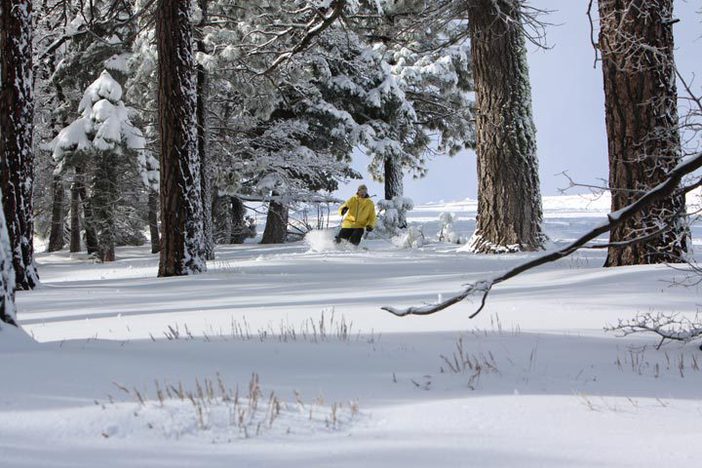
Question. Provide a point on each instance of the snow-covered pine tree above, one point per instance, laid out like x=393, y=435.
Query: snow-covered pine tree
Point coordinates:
x=104, y=137
x=16, y=134
x=509, y=199
x=637, y=44
x=427, y=48
x=77, y=40
x=182, y=244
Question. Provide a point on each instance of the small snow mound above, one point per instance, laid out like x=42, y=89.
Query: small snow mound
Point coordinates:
x=321, y=240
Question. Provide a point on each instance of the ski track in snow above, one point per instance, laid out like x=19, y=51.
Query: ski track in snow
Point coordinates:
x=545, y=386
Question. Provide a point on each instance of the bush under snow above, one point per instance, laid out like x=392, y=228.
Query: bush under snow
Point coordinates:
x=392, y=216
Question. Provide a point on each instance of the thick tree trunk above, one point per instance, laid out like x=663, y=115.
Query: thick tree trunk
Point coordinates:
x=239, y=231
x=206, y=173
x=182, y=245
x=276, y=231
x=56, y=235
x=74, y=245
x=153, y=222
x=16, y=131
x=394, y=185
x=509, y=199
x=636, y=41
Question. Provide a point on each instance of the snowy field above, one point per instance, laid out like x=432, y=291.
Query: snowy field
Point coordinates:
x=281, y=356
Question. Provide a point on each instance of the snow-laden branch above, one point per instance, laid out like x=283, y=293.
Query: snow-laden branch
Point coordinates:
x=483, y=287
x=314, y=28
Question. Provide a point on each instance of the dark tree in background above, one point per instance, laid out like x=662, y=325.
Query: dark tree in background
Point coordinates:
x=636, y=42
x=276, y=231
x=509, y=199
x=57, y=234
x=16, y=132
x=239, y=230
x=153, y=222
x=182, y=246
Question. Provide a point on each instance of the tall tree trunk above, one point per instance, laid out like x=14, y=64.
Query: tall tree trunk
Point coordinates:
x=636, y=41
x=56, y=235
x=394, y=185
x=276, y=231
x=74, y=246
x=153, y=222
x=239, y=231
x=7, y=276
x=509, y=199
x=182, y=245
x=16, y=131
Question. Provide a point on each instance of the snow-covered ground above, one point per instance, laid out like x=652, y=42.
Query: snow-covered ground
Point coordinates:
x=280, y=356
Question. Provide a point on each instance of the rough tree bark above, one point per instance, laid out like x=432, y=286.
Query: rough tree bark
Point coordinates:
x=182, y=246
x=276, y=231
x=74, y=245
x=56, y=235
x=91, y=238
x=104, y=204
x=153, y=222
x=239, y=231
x=636, y=42
x=394, y=186
x=221, y=218
x=509, y=199
x=16, y=131
x=205, y=174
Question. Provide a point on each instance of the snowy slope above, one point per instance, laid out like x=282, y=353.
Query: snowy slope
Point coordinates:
x=538, y=382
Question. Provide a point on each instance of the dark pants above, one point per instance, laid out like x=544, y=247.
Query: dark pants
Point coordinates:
x=353, y=235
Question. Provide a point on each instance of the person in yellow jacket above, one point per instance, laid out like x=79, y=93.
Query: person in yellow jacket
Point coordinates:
x=360, y=216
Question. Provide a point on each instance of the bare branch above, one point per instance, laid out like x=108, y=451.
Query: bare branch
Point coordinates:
x=662, y=190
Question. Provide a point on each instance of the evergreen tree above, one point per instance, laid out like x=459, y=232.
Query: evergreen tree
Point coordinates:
x=105, y=138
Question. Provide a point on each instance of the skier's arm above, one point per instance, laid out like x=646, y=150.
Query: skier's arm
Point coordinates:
x=344, y=208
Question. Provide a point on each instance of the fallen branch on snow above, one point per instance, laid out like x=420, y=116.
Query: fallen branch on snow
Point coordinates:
x=671, y=327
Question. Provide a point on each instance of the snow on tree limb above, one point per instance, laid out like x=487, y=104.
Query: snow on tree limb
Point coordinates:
x=483, y=287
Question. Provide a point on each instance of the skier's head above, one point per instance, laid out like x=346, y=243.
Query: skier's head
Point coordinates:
x=362, y=191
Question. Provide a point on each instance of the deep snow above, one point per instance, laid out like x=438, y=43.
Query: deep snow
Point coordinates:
x=539, y=382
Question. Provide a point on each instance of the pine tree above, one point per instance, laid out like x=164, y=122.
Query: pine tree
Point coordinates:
x=509, y=200
x=182, y=245
x=16, y=124
x=104, y=138
x=636, y=42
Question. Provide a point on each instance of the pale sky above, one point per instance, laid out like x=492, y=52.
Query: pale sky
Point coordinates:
x=568, y=107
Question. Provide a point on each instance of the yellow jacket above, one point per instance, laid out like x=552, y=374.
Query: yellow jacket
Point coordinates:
x=361, y=213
